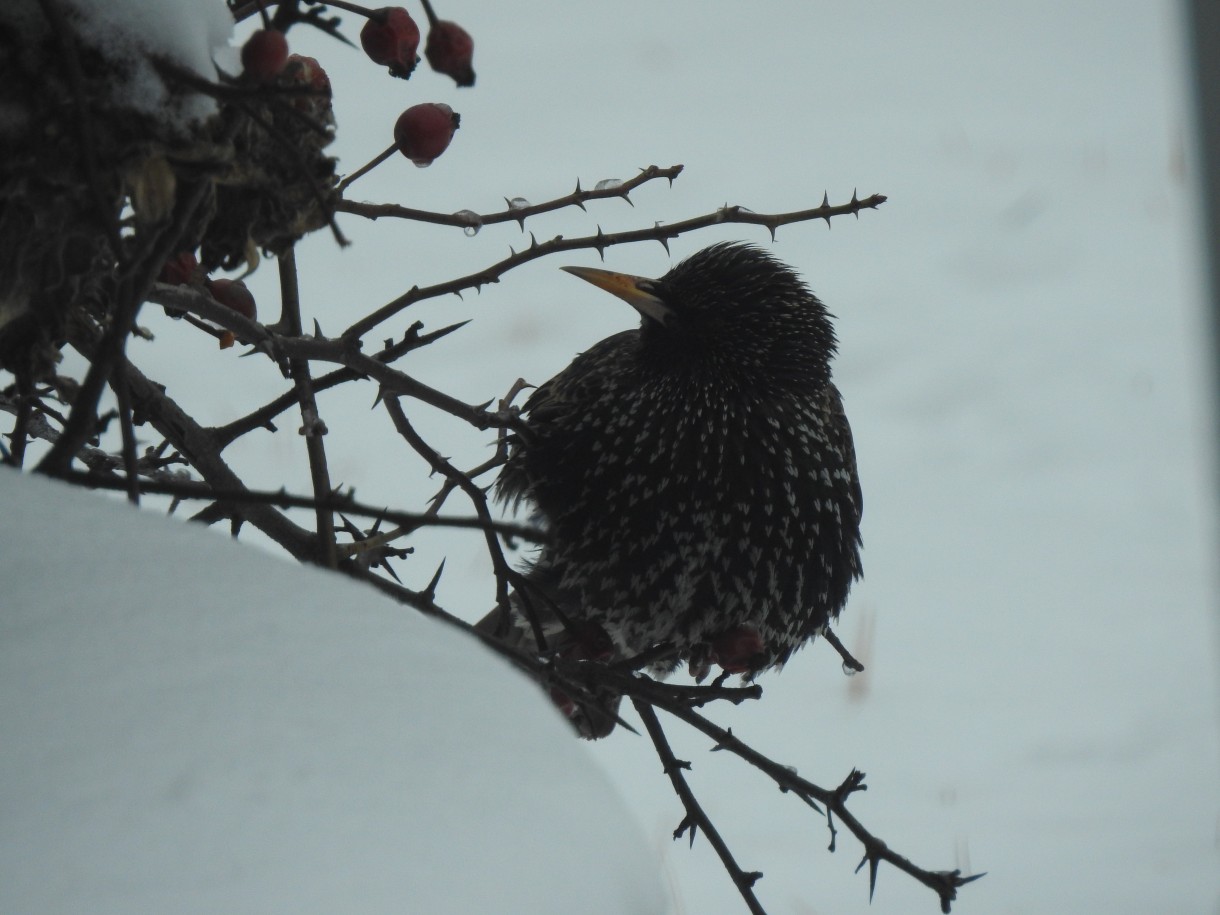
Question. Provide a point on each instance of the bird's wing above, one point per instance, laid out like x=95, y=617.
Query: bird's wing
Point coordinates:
x=832, y=409
x=551, y=403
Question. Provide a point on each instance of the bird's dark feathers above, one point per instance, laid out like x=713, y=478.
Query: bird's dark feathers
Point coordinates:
x=698, y=477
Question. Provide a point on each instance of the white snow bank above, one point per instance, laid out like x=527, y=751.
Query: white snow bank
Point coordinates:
x=191, y=726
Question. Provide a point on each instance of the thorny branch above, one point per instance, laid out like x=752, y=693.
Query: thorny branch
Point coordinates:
x=312, y=426
x=157, y=481
x=503, y=571
x=467, y=219
x=600, y=241
x=696, y=819
x=833, y=801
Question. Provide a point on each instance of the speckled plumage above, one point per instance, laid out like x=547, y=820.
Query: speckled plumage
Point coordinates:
x=698, y=476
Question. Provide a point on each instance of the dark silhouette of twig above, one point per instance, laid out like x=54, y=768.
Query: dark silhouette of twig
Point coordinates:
x=155, y=483
x=312, y=427
x=467, y=219
x=696, y=819
x=601, y=241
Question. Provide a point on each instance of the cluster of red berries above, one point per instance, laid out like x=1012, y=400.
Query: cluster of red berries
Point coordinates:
x=264, y=55
x=391, y=38
x=183, y=270
x=265, y=59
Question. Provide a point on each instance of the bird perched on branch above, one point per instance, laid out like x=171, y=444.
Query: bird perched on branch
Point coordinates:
x=696, y=477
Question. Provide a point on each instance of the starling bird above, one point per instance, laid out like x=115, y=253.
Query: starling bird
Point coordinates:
x=696, y=476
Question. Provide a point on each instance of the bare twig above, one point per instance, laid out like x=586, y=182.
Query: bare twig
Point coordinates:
x=467, y=219
x=365, y=169
x=696, y=819
x=130, y=292
x=196, y=445
x=263, y=416
x=118, y=383
x=343, y=350
x=849, y=662
x=944, y=883
x=333, y=502
x=24, y=409
x=312, y=426
x=503, y=572
x=601, y=241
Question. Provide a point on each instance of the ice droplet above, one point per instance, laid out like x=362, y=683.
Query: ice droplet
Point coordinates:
x=849, y=670
x=608, y=184
x=472, y=220
x=518, y=203
x=422, y=163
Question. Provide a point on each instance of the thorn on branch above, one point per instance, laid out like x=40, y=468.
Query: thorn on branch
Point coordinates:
x=853, y=783
x=807, y=799
x=687, y=825
x=430, y=591
x=674, y=764
x=874, y=862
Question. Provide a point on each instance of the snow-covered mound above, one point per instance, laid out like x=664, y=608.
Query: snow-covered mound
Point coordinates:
x=191, y=726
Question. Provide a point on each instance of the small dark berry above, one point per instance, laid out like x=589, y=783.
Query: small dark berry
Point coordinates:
x=738, y=650
x=179, y=270
x=423, y=132
x=450, y=50
x=306, y=71
x=391, y=38
x=264, y=55
x=233, y=294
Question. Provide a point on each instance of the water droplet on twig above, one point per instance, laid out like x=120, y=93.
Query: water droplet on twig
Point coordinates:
x=608, y=184
x=472, y=222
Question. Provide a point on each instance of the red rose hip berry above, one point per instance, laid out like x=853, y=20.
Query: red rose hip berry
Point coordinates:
x=739, y=650
x=391, y=38
x=264, y=55
x=179, y=270
x=308, y=73
x=450, y=50
x=233, y=294
x=423, y=132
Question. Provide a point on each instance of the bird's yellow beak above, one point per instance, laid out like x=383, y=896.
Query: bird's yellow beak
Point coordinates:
x=628, y=288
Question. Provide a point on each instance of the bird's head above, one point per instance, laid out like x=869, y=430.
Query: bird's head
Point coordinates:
x=731, y=309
